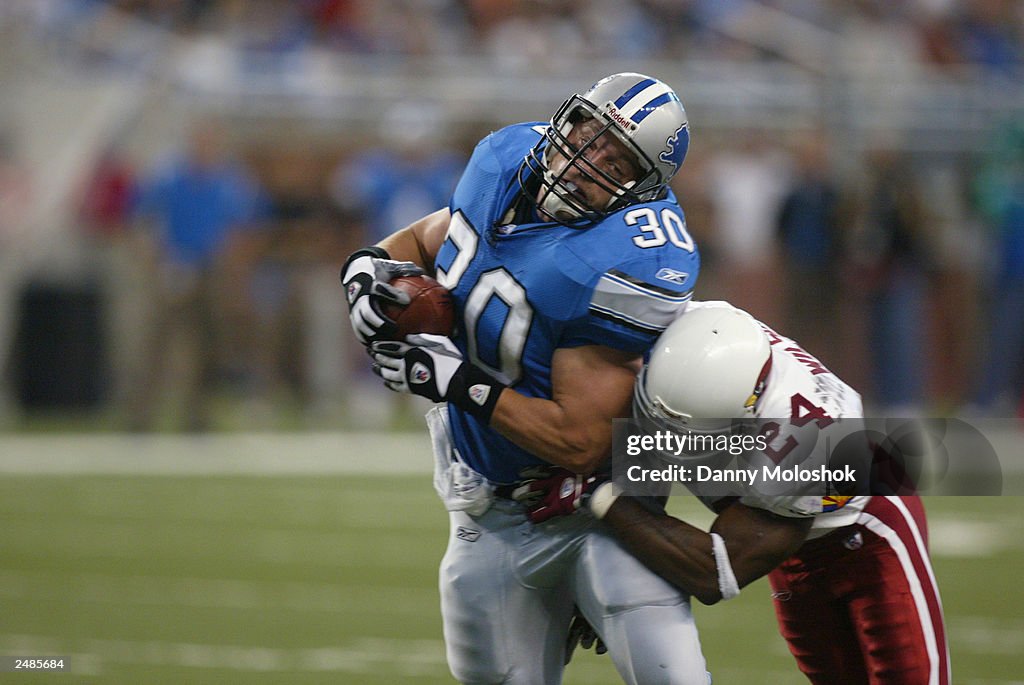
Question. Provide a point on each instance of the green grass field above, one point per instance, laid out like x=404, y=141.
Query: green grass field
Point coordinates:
x=331, y=578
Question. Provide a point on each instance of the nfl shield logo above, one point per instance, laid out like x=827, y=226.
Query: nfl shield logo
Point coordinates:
x=854, y=542
x=479, y=392
x=568, y=487
x=419, y=374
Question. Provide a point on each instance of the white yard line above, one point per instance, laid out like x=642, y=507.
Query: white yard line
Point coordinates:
x=987, y=635
x=965, y=538
x=366, y=655
x=255, y=454
x=377, y=656
x=277, y=454
x=219, y=593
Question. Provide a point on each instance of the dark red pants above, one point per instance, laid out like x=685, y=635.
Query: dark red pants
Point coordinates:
x=860, y=606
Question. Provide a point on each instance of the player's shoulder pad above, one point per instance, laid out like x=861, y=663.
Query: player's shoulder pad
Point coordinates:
x=636, y=302
x=487, y=180
x=644, y=237
x=643, y=286
x=505, y=147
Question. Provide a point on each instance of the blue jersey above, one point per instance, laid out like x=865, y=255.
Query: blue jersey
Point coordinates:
x=523, y=290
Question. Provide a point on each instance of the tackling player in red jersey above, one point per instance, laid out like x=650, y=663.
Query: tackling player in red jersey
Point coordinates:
x=853, y=587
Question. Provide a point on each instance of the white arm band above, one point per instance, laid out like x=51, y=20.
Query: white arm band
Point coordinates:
x=727, y=584
x=602, y=499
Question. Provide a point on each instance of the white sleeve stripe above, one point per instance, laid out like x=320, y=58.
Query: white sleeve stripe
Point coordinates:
x=613, y=283
x=650, y=310
x=627, y=321
x=656, y=313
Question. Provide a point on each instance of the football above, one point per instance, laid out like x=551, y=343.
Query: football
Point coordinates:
x=430, y=309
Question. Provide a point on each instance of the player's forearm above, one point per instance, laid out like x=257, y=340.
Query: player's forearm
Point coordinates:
x=591, y=385
x=545, y=428
x=675, y=550
x=756, y=541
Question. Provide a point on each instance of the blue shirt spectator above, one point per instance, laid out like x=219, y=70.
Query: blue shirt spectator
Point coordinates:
x=200, y=198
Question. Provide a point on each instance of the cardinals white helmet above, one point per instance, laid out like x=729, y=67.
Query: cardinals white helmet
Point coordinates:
x=707, y=369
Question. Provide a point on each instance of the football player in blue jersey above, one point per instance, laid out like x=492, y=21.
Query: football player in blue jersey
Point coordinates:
x=567, y=255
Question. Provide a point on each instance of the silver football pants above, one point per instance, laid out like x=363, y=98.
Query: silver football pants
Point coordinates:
x=507, y=593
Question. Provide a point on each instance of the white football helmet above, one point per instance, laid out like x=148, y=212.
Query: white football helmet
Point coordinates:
x=709, y=368
x=641, y=112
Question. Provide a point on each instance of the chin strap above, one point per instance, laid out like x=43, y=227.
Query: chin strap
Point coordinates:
x=553, y=205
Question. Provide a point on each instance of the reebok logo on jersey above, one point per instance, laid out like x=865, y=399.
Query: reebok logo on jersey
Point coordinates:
x=479, y=393
x=467, y=534
x=420, y=373
x=672, y=276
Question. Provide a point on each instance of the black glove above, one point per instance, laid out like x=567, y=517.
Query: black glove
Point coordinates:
x=366, y=278
x=582, y=633
x=559, y=493
x=433, y=367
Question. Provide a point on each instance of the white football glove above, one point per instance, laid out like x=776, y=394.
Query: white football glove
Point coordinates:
x=366, y=278
x=424, y=365
x=433, y=367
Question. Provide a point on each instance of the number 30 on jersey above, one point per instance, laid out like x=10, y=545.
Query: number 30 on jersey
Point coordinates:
x=493, y=283
x=656, y=229
x=654, y=233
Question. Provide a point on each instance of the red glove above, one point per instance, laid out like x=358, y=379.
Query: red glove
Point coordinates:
x=558, y=494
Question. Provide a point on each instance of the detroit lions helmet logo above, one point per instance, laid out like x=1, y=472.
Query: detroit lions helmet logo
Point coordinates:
x=675, y=149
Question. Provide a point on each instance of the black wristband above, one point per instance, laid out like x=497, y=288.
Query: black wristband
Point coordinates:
x=475, y=391
x=371, y=251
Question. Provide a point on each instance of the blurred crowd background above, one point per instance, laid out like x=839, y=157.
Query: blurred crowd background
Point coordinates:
x=180, y=181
